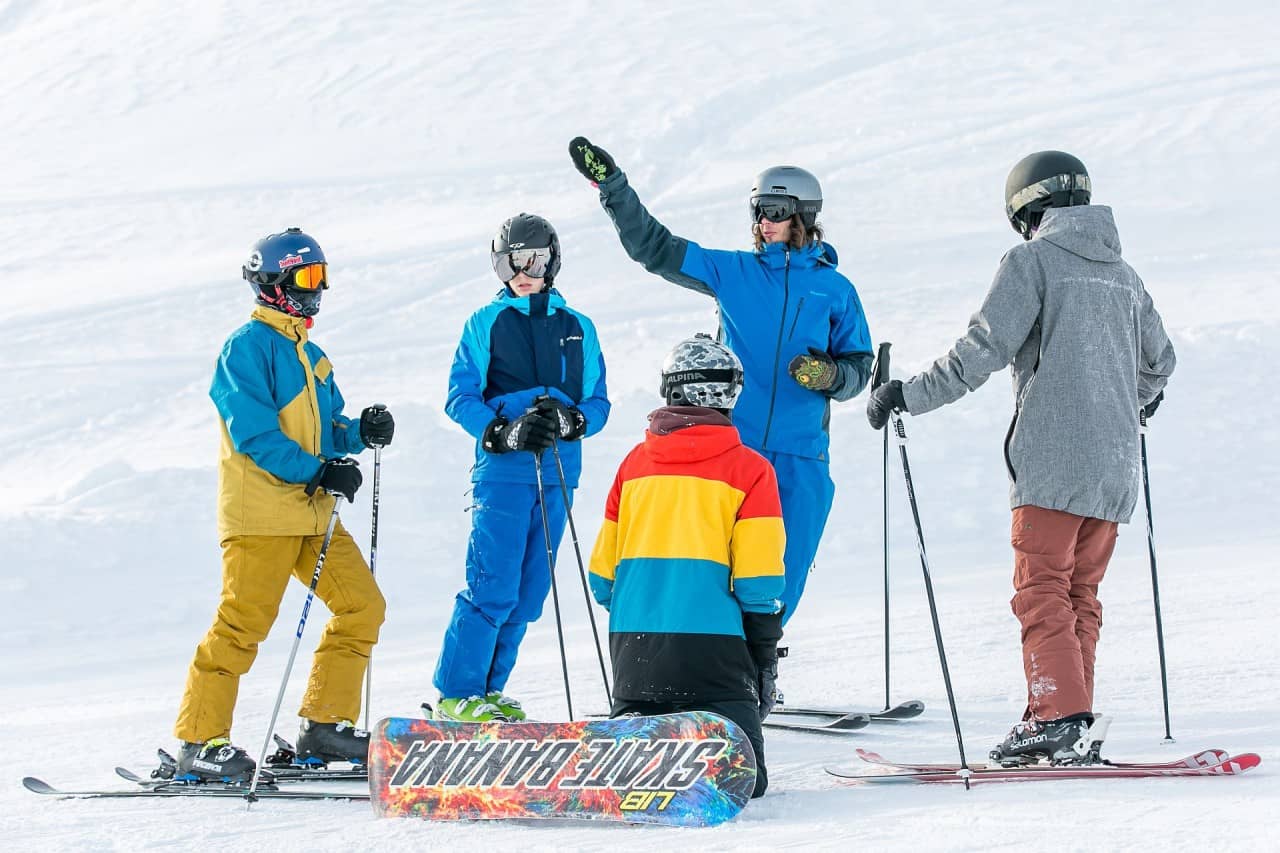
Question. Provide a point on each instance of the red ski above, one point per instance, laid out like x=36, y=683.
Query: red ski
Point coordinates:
x=1207, y=763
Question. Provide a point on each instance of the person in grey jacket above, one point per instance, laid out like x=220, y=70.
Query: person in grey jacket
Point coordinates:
x=1087, y=350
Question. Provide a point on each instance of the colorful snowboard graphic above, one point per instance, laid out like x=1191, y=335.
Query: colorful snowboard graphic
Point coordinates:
x=690, y=769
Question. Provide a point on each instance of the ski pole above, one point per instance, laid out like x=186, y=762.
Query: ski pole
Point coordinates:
x=880, y=375
x=900, y=432
x=582, y=572
x=373, y=561
x=297, y=639
x=1155, y=582
x=551, y=568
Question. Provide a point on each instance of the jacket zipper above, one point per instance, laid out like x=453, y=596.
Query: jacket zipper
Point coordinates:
x=777, y=352
x=792, y=333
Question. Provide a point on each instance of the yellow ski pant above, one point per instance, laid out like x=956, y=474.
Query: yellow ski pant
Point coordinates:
x=255, y=572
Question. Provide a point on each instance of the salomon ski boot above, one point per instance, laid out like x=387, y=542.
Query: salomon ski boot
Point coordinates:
x=1076, y=739
x=469, y=709
x=320, y=743
x=509, y=707
x=215, y=760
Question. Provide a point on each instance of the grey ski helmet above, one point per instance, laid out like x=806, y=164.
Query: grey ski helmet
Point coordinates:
x=1040, y=181
x=789, y=181
x=526, y=243
x=701, y=371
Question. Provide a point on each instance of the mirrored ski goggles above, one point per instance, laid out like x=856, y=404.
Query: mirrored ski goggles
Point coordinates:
x=775, y=208
x=532, y=262
x=308, y=277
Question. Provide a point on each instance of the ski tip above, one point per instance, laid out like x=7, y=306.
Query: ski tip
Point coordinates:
x=127, y=774
x=1241, y=763
x=870, y=756
x=38, y=786
x=850, y=722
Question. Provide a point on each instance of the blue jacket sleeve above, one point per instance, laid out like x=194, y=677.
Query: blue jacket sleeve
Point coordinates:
x=594, y=404
x=243, y=398
x=851, y=348
x=468, y=377
x=649, y=242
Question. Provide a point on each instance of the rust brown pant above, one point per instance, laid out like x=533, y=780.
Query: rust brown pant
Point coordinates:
x=1059, y=560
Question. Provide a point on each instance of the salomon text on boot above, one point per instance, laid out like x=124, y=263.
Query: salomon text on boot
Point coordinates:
x=1069, y=740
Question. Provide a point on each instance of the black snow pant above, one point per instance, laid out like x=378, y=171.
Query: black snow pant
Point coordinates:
x=744, y=712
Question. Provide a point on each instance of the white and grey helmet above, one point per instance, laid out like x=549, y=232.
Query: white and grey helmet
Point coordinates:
x=701, y=371
x=787, y=182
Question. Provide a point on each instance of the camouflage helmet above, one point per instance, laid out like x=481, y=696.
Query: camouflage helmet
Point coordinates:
x=1040, y=181
x=701, y=371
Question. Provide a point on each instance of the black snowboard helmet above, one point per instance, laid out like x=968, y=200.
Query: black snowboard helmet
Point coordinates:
x=1040, y=181
x=526, y=243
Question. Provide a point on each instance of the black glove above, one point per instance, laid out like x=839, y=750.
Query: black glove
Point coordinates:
x=533, y=431
x=888, y=397
x=815, y=371
x=593, y=162
x=337, y=477
x=767, y=681
x=376, y=426
x=1150, y=408
x=571, y=424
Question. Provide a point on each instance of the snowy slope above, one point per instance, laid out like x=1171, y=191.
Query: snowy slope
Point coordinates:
x=146, y=145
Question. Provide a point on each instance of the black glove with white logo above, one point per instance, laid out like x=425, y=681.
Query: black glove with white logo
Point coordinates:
x=571, y=424
x=533, y=431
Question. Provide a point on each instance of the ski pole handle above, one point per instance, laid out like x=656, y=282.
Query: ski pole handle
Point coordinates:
x=880, y=368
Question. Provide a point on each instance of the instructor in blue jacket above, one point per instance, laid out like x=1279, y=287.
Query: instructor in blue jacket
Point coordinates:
x=796, y=324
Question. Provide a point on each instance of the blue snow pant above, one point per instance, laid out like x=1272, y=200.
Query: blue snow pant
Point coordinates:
x=806, y=490
x=507, y=581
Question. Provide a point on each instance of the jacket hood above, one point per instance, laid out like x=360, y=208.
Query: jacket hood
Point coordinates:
x=810, y=255
x=688, y=434
x=546, y=302
x=1088, y=231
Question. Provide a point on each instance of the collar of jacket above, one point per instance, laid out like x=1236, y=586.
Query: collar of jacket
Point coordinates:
x=774, y=256
x=688, y=434
x=535, y=304
x=294, y=328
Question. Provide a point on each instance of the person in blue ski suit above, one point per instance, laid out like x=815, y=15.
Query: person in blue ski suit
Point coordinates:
x=795, y=322
x=528, y=375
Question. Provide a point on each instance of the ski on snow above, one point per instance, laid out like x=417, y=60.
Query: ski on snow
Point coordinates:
x=1211, y=762
x=838, y=722
x=182, y=789
x=279, y=767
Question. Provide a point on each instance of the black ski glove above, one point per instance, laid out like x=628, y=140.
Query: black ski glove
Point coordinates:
x=593, y=162
x=815, y=371
x=767, y=682
x=570, y=422
x=888, y=397
x=376, y=426
x=1150, y=408
x=533, y=431
x=337, y=477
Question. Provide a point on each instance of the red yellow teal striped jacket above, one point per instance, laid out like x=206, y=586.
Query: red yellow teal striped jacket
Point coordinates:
x=692, y=540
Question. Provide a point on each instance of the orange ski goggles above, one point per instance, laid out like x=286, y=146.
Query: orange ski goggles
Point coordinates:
x=309, y=277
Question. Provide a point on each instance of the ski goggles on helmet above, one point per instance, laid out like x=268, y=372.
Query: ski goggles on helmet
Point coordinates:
x=532, y=262
x=307, y=277
x=775, y=208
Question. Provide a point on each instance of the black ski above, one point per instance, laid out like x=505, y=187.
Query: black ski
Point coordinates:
x=901, y=711
x=835, y=725
x=180, y=789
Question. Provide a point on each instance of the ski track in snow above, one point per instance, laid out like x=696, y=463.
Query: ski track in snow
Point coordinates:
x=148, y=146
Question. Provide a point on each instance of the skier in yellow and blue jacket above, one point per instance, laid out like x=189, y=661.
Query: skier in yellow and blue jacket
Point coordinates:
x=689, y=560
x=528, y=373
x=284, y=439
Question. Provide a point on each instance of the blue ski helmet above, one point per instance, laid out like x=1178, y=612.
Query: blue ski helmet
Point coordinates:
x=288, y=272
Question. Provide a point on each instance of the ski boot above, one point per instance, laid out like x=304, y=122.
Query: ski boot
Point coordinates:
x=469, y=709
x=320, y=743
x=215, y=760
x=509, y=707
x=1076, y=739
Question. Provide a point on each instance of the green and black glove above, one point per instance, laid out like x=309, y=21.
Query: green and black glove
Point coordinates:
x=593, y=162
x=815, y=371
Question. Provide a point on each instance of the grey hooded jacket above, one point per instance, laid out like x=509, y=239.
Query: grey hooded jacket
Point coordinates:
x=1087, y=349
